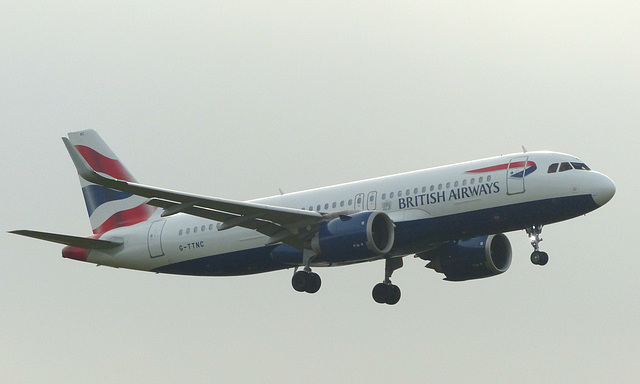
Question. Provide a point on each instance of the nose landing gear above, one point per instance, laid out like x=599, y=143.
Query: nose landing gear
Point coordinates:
x=537, y=257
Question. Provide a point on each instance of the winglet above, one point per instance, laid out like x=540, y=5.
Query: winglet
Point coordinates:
x=84, y=169
x=86, y=172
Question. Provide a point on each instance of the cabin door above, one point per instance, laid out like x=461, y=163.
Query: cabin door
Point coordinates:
x=515, y=175
x=154, y=240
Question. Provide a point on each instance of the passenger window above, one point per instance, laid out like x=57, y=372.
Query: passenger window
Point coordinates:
x=180, y=232
x=334, y=204
x=456, y=184
x=580, y=166
x=399, y=193
x=188, y=230
x=408, y=192
x=553, y=168
x=488, y=178
x=326, y=206
x=448, y=184
x=350, y=202
x=195, y=229
x=464, y=182
x=480, y=180
x=342, y=203
x=473, y=180
x=565, y=167
x=211, y=227
x=424, y=189
x=415, y=191
x=203, y=228
x=318, y=208
x=384, y=196
x=311, y=208
x=439, y=187
x=432, y=188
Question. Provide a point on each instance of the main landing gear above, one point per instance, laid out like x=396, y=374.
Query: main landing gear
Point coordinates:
x=386, y=292
x=537, y=257
x=305, y=280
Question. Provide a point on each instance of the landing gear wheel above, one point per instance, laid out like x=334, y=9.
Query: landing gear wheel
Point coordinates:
x=394, y=296
x=303, y=281
x=313, y=283
x=379, y=293
x=539, y=258
x=386, y=293
x=299, y=281
x=545, y=259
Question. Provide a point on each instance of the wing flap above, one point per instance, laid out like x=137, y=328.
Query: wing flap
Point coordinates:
x=228, y=221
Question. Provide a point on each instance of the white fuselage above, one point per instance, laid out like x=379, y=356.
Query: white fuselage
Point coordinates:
x=452, y=202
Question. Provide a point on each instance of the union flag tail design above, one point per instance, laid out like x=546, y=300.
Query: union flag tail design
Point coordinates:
x=108, y=208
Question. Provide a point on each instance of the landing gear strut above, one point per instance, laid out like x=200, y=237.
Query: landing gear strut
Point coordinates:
x=305, y=280
x=386, y=292
x=537, y=257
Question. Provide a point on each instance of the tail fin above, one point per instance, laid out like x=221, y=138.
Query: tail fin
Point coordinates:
x=107, y=208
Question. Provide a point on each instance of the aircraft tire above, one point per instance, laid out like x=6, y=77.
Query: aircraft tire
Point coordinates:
x=380, y=293
x=394, y=295
x=386, y=293
x=539, y=258
x=299, y=281
x=535, y=258
x=313, y=283
x=544, y=258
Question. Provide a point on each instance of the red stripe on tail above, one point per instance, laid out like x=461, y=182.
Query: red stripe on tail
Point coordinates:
x=103, y=164
x=125, y=218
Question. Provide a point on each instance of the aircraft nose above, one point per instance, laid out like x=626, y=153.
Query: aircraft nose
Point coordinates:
x=604, y=190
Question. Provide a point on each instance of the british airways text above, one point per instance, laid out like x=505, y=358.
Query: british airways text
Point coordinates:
x=453, y=194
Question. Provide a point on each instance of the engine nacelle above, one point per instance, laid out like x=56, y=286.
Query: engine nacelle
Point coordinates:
x=471, y=259
x=356, y=237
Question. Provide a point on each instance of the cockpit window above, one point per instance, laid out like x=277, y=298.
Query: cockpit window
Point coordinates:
x=565, y=167
x=580, y=166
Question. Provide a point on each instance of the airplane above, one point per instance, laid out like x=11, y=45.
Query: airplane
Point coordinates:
x=452, y=216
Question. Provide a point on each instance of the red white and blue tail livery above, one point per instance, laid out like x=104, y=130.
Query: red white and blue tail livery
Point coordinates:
x=107, y=208
x=452, y=216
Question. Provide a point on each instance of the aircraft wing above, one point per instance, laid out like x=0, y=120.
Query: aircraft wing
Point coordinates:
x=281, y=224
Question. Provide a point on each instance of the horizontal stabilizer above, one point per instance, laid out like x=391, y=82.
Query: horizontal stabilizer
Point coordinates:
x=76, y=241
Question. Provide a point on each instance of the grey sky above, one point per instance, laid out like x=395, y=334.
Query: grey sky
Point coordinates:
x=239, y=99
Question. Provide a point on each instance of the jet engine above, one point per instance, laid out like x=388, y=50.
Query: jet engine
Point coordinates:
x=475, y=258
x=354, y=237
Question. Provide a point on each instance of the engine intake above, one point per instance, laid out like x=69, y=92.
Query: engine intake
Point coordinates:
x=475, y=258
x=355, y=237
